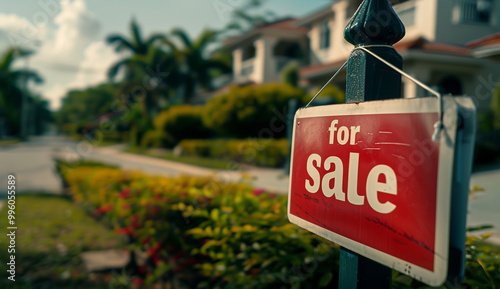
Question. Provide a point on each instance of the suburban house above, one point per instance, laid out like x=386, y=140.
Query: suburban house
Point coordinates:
x=449, y=45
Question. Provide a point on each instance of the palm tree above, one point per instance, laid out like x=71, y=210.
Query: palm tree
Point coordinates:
x=11, y=93
x=197, y=69
x=135, y=65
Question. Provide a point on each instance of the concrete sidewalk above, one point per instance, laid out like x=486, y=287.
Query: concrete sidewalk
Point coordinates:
x=273, y=180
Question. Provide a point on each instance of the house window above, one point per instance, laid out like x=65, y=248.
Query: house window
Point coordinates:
x=474, y=11
x=324, y=35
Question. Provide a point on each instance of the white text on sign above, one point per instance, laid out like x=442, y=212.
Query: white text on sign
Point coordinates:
x=373, y=186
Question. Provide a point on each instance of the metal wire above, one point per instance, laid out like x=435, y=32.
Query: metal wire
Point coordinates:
x=326, y=84
x=438, y=126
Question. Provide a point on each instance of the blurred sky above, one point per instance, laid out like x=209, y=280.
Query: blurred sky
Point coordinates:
x=68, y=35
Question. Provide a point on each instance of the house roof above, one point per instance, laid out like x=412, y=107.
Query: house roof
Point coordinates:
x=487, y=40
x=415, y=44
x=286, y=25
x=321, y=13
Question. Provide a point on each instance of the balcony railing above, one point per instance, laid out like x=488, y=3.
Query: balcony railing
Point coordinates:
x=247, y=67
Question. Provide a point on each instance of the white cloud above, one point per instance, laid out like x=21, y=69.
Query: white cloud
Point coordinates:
x=69, y=55
x=54, y=95
x=76, y=28
x=19, y=31
x=94, y=67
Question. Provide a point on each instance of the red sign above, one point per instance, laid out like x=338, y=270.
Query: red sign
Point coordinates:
x=369, y=177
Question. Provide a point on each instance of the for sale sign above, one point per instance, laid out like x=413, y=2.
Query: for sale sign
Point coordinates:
x=369, y=177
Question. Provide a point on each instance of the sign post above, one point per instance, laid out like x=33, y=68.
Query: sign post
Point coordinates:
x=374, y=23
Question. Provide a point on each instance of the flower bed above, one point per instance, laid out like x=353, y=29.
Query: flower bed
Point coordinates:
x=206, y=233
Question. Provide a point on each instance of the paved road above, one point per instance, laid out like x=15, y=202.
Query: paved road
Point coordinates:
x=484, y=208
x=32, y=164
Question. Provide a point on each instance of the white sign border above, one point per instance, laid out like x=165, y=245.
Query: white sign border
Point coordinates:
x=444, y=181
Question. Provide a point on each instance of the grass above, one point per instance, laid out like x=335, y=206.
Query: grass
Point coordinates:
x=9, y=142
x=203, y=162
x=51, y=234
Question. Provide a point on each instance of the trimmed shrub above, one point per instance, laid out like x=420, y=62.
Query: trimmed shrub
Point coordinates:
x=261, y=152
x=182, y=121
x=157, y=139
x=253, y=110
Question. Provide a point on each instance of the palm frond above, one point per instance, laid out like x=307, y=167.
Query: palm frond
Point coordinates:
x=136, y=34
x=206, y=37
x=113, y=70
x=183, y=36
x=120, y=42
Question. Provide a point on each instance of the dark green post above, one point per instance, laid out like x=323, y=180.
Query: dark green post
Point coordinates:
x=376, y=26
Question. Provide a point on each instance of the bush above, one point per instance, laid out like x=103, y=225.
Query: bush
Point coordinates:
x=182, y=121
x=261, y=152
x=157, y=139
x=206, y=233
x=253, y=110
x=210, y=234
x=330, y=95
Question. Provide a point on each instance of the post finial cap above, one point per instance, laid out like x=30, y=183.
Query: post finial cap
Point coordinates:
x=375, y=22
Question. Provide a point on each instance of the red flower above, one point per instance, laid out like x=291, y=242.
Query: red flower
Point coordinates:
x=126, y=206
x=178, y=268
x=257, y=192
x=125, y=193
x=156, y=259
x=143, y=269
x=190, y=261
x=125, y=231
x=137, y=281
x=272, y=195
x=135, y=225
x=146, y=240
x=158, y=197
x=103, y=209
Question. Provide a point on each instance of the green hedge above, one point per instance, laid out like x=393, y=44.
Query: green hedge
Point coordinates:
x=261, y=152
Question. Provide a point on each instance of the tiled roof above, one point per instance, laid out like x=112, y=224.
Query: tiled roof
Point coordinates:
x=421, y=43
x=490, y=39
x=320, y=68
x=284, y=25
x=415, y=44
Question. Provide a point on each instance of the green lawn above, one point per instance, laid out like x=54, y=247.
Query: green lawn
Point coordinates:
x=209, y=163
x=8, y=142
x=52, y=232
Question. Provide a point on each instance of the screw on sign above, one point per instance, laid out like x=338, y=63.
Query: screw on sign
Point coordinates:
x=360, y=178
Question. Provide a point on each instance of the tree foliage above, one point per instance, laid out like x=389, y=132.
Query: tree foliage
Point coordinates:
x=254, y=110
x=86, y=106
x=13, y=83
x=182, y=121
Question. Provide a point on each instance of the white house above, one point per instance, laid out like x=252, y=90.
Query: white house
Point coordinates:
x=440, y=47
x=261, y=54
x=434, y=49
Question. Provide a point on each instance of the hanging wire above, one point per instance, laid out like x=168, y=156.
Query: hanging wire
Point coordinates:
x=326, y=84
x=438, y=126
